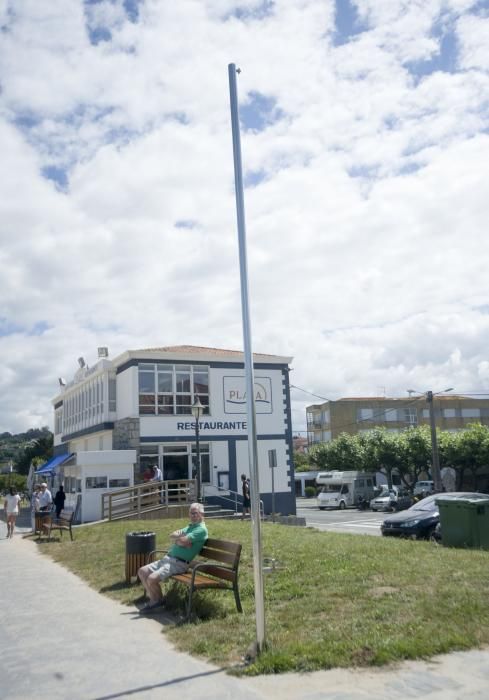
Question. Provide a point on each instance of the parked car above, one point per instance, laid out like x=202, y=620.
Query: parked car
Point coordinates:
x=420, y=521
x=393, y=499
x=424, y=487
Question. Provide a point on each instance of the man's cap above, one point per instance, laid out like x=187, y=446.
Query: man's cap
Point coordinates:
x=44, y=484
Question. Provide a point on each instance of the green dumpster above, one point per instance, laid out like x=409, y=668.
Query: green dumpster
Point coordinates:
x=482, y=517
x=464, y=522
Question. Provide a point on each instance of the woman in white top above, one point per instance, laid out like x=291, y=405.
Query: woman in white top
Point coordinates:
x=11, y=506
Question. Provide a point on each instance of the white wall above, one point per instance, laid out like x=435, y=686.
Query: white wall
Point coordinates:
x=128, y=393
x=113, y=464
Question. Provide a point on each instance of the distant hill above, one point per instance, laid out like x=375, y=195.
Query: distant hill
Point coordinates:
x=21, y=448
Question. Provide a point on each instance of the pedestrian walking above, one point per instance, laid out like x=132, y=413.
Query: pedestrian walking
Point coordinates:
x=245, y=487
x=59, y=500
x=11, y=505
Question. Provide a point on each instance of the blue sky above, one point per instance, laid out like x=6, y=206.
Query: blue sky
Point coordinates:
x=364, y=136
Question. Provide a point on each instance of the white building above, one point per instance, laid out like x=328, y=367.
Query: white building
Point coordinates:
x=141, y=401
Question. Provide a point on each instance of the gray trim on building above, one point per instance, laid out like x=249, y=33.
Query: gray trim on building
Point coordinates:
x=88, y=431
x=207, y=438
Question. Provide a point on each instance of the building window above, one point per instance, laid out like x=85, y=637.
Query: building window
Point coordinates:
x=471, y=413
x=411, y=416
x=118, y=483
x=96, y=482
x=112, y=395
x=390, y=415
x=365, y=414
x=58, y=421
x=449, y=413
x=171, y=389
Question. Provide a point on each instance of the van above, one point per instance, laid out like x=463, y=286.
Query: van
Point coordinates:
x=426, y=487
x=344, y=489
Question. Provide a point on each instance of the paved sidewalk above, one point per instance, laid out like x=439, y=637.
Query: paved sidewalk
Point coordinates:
x=60, y=639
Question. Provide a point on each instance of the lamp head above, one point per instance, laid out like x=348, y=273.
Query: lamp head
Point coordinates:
x=197, y=408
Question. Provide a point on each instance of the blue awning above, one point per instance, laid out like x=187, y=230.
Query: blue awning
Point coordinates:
x=51, y=466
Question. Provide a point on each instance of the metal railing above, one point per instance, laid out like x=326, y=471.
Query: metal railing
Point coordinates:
x=235, y=498
x=151, y=496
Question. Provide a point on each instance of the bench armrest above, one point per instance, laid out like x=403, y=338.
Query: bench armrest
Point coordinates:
x=151, y=558
x=197, y=568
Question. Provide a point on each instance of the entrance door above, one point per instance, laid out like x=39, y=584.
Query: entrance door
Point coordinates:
x=175, y=467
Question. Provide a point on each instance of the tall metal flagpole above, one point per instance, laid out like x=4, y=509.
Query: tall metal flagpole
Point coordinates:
x=252, y=442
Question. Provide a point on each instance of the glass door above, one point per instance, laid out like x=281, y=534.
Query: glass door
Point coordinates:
x=176, y=462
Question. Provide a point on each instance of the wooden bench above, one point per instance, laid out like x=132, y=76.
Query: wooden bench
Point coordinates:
x=216, y=567
x=63, y=522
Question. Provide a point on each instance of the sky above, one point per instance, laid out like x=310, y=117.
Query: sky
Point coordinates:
x=365, y=143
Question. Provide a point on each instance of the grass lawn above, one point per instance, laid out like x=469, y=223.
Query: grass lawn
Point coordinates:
x=337, y=600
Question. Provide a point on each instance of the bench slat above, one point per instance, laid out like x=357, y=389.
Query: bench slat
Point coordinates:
x=224, y=557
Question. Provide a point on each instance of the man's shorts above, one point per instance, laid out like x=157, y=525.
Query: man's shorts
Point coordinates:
x=168, y=566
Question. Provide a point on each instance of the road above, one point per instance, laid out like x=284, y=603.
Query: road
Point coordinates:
x=349, y=520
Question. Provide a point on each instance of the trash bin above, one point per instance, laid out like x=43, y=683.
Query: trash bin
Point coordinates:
x=138, y=546
x=463, y=521
x=482, y=520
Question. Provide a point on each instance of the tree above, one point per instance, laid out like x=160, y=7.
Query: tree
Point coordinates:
x=301, y=462
x=473, y=450
x=448, y=449
x=41, y=446
x=342, y=454
x=415, y=451
x=382, y=453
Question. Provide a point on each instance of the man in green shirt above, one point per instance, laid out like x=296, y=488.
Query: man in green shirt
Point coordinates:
x=187, y=543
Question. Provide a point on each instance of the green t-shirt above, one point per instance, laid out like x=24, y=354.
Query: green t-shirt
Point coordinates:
x=197, y=534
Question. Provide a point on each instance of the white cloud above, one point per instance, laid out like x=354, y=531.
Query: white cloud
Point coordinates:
x=366, y=234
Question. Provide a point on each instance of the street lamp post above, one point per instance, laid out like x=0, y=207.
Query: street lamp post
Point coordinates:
x=197, y=411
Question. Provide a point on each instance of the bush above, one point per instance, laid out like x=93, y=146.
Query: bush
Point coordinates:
x=310, y=491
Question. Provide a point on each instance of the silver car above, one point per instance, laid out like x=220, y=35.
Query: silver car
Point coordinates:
x=393, y=499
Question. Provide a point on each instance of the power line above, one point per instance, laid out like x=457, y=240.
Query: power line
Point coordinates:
x=293, y=386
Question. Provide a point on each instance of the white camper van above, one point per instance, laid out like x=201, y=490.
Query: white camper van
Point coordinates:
x=343, y=489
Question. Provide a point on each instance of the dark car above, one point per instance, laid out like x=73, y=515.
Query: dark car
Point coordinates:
x=420, y=521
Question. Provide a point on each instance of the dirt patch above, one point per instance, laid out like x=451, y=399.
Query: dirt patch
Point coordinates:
x=380, y=591
x=363, y=656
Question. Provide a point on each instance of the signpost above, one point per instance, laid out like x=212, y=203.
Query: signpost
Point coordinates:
x=272, y=463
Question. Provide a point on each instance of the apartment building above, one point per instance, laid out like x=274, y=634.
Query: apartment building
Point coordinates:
x=327, y=420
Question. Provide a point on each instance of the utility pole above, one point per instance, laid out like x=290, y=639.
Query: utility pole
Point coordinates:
x=435, y=471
